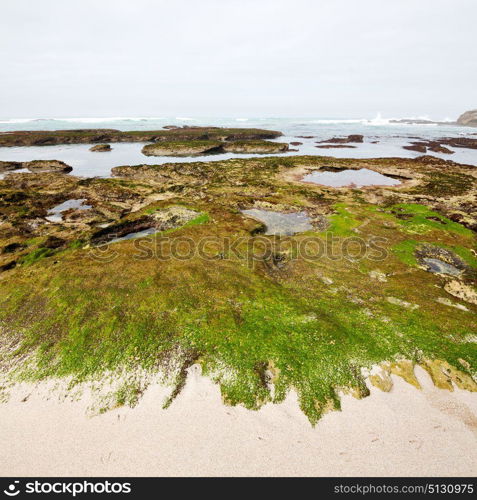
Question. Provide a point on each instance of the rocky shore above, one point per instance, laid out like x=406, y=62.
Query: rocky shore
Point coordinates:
x=97, y=274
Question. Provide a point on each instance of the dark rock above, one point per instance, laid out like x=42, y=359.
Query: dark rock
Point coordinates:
x=47, y=166
x=420, y=148
x=100, y=148
x=6, y=166
x=92, y=136
x=459, y=142
x=344, y=140
x=13, y=247
x=296, y=143
x=328, y=146
x=8, y=266
x=53, y=242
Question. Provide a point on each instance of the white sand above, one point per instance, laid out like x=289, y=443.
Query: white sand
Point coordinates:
x=404, y=432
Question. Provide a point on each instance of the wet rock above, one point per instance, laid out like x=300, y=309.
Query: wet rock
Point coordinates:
x=100, y=148
x=344, y=140
x=92, y=136
x=468, y=119
x=191, y=148
x=444, y=376
x=459, y=142
x=7, y=166
x=335, y=146
x=440, y=260
x=13, y=247
x=424, y=146
x=296, y=143
x=254, y=147
x=114, y=231
x=420, y=148
x=47, y=166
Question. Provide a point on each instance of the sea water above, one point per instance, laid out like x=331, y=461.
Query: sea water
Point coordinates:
x=382, y=138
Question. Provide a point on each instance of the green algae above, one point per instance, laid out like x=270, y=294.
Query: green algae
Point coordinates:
x=257, y=329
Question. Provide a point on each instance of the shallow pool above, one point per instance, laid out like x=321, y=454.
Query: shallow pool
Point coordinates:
x=279, y=223
x=351, y=178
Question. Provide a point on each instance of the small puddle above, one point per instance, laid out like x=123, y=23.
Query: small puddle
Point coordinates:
x=54, y=214
x=441, y=267
x=138, y=234
x=280, y=223
x=351, y=178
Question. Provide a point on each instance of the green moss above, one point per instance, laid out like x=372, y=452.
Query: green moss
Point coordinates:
x=342, y=221
x=419, y=219
x=308, y=325
x=36, y=255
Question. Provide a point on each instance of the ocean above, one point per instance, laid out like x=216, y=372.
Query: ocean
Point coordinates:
x=382, y=138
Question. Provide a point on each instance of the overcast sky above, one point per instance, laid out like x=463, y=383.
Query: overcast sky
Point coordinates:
x=323, y=58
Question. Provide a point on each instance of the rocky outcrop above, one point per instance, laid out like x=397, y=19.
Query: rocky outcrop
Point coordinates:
x=336, y=146
x=177, y=148
x=459, y=142
x=343, y=140
x=92, y=136
x=35, y=166
x=47, y=166
x=195, y=148
x=254, y=147
x=100, y=148
x=468, y=119
x=7, y=166
x=424, y=146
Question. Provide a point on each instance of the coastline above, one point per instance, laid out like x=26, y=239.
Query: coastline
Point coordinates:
x=406, y=432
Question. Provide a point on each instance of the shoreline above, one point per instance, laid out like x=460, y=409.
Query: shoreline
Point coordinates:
x=406, y=432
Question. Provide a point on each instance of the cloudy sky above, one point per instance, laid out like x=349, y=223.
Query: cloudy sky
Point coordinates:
x=323, y=58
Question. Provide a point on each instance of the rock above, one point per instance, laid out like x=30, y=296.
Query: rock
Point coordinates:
x=7, y=266
x=178, y=148
x=344, y=140
x=100, y=148
x=420, y=148
x=447, y=302
x=296, y=143
x=468, y=119
x=423, y=146
x=444, y=375
x=7, y=166
x=419, y=121
x=47, y=166
x=329, y=146
x=255, y=147
x=438, y=148
x=378, y=275
x=174, y=217
x=461, y=291
x=459, y=142
x=13, y=247
x=93, y=136
x=53, y=242
x=402, y=303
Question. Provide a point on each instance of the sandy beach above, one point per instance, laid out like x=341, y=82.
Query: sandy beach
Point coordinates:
x=406, y=432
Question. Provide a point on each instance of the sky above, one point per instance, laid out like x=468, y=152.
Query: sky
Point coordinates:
x=237, y=58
